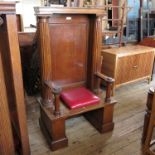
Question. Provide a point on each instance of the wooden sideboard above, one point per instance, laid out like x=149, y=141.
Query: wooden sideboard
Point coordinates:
x=128, y=64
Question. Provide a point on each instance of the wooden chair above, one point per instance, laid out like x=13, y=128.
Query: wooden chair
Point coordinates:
x=149, y=124
x=117, y=28
x=70, y=46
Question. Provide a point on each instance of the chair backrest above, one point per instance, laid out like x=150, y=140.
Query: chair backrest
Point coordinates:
x=72, y=48
x=69, y=57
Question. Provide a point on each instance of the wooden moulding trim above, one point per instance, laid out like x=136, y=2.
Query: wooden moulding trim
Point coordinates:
x=47, y=11
x=7, y=7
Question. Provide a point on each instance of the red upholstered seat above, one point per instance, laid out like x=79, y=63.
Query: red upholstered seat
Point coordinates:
x=79, y=97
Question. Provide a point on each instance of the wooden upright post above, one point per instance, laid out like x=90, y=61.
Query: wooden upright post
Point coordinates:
x=11, y=62
x=6, y=137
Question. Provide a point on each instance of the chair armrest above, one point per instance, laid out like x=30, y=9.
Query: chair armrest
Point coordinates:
x=54, y=88
x=110, y=81
x=104, y=77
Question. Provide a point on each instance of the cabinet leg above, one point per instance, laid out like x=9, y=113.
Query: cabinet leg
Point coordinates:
x=148, y=80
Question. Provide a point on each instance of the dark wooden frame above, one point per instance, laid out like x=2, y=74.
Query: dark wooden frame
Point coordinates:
x=149, y=124
x=13, y=116
x=53, y=115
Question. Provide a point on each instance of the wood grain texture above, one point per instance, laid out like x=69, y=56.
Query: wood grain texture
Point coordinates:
x=125, y=139
x=17, y=81
x=9, y=48
x=128, y=64
x=26, y=38
x=68, y=42
x=70, y=46
x=149, y=123
x=44, y=45
x=6, y=137
x=148, y=113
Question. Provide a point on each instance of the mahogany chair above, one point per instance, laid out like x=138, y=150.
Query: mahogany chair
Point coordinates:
x=70, y=46
x=149, y=124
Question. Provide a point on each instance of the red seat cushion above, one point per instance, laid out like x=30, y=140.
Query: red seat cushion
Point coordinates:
x=79, y=97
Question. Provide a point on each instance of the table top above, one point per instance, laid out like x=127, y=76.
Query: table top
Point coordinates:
x=129, y=50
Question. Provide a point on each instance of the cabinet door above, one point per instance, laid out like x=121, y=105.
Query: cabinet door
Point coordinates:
x=143, y=65
x=124, y=69
x=134, y=67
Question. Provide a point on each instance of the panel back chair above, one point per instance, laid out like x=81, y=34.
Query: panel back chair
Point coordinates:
x=70, y=46
x=149, y=124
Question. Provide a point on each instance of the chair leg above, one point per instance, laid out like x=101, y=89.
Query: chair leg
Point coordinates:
x=102, y=119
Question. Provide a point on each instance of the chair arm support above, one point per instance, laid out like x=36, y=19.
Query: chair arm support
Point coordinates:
x=54, y=88
x=105, y=78
x=110, y=81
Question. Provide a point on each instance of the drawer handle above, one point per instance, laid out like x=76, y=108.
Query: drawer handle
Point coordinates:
x=135, y=67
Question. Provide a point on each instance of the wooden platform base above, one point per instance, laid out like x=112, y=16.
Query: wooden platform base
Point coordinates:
x=53, y=127
x=54, y=144
x=100, y=119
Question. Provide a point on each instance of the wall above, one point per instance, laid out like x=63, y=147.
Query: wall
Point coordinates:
x=25, y=8
x=153, y=4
